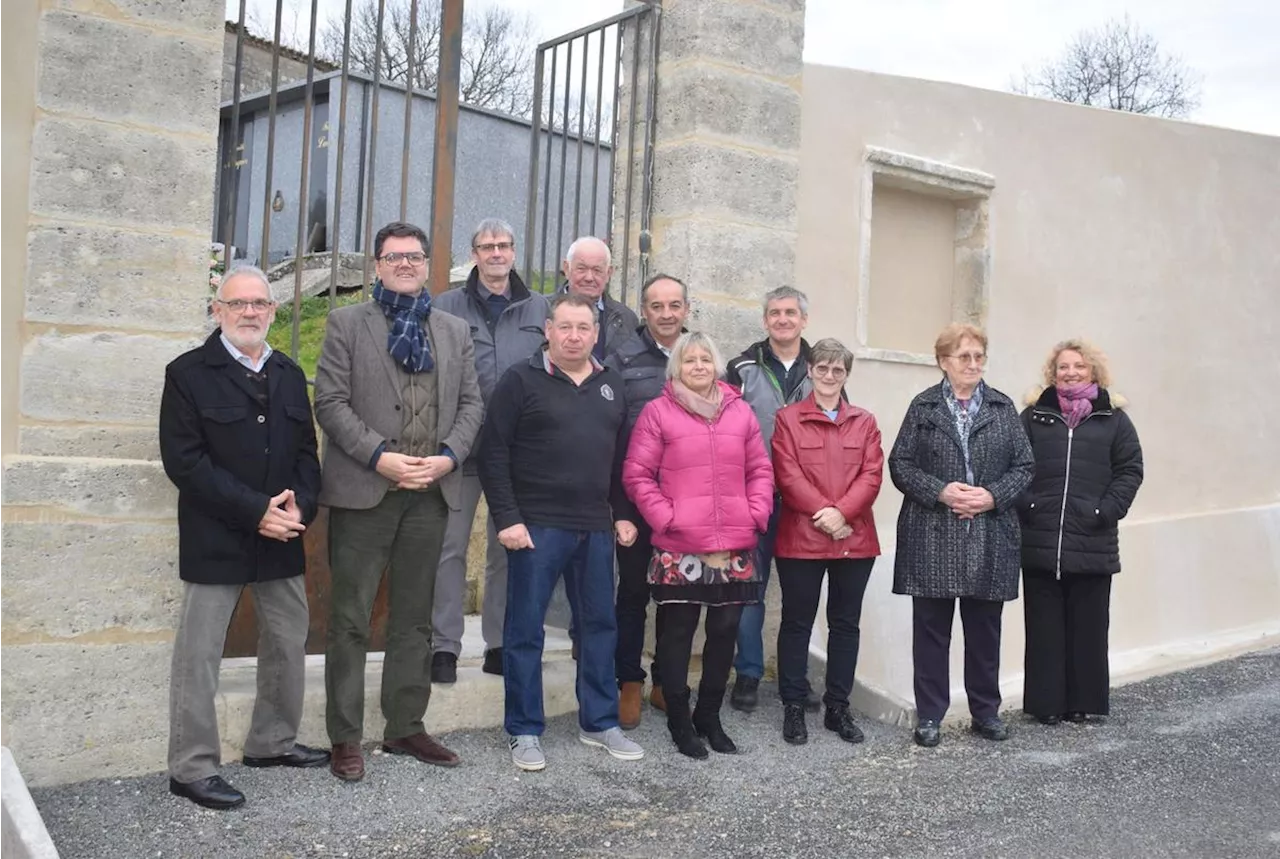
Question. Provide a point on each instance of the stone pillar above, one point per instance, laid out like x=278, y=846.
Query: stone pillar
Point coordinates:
x=118, y=188
x=726, y=165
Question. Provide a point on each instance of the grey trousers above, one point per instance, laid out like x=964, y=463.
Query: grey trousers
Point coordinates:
x=194, y=747
x=451, y=579
x=401, y=535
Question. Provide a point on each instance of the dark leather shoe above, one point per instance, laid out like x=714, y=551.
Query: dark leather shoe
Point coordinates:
x=444, y=667
x=492, y=661
x=298, y=756
x=840, y=720
x=212, y=792
x=993, y=728
x=746, y=694
x=347, y=762
x=423, y=747
x=794, y=730
x=1076, y=716
x=1049, y=720
x=928, y=733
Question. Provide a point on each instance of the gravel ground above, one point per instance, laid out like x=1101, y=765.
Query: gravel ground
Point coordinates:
x=1189, y=766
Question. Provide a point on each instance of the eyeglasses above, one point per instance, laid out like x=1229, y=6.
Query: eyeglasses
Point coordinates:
x=978, y=358
x=490, y=247
x=239, y=305
x=414, y=257
x=833, y=372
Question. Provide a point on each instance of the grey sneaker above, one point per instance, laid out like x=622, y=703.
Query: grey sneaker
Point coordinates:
x=614, y=742
x=526, y=753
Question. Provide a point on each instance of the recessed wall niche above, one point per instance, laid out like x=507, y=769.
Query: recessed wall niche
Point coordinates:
x=926, y=253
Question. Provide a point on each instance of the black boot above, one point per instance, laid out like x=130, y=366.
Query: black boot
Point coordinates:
x=840, y=720
x=706, y=721
x=793, y=727
x=681, y=727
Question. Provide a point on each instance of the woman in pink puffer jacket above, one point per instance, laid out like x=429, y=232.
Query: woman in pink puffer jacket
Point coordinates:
x=698, y=472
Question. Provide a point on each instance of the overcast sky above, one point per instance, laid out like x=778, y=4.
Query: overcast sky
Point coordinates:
x=1231, y=43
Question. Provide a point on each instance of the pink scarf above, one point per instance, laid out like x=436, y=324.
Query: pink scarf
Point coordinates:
x=1076, y=402
x=707, y=407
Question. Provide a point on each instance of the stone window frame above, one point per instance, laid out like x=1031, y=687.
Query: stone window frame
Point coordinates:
x=971, y=190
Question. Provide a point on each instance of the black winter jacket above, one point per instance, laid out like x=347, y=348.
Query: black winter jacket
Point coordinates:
x=1085, y=481
x=643, y=368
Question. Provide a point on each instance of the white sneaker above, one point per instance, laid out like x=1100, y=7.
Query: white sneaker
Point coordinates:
x=526, y=753
x=614, y=742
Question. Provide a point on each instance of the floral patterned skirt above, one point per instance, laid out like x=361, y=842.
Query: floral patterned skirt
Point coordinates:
x=718, y=578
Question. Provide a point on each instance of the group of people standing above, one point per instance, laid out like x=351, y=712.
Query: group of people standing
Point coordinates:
x=594, y=433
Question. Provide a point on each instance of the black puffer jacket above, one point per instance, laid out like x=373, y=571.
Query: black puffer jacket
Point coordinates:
x=1085, y=480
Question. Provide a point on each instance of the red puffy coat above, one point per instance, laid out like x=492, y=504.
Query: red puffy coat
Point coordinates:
x=703, y=486
x=820, y=463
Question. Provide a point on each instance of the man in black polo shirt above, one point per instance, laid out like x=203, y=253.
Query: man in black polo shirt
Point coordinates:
x=548, y=460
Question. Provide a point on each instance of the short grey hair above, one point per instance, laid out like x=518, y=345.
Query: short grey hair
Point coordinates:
x=244, y=269
x=494, y=227
x=578, y=244
x=693, y=340
x=829, y=350
x=784, y=292
x=644, y=290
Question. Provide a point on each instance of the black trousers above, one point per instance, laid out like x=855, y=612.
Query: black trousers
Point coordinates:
x=631, y=607
x=801, y=582
x=1066, y=663
x=931, y=652
x=679, y=621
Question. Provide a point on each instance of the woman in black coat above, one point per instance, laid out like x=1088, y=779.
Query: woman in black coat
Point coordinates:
x=961, y=460
x=1088, y=470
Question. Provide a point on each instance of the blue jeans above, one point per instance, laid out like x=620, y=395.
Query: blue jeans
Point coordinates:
x=585, y=558
x=750, y=659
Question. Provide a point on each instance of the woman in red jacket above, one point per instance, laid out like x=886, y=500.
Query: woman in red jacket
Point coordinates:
x=698, y=472
x=828, y=462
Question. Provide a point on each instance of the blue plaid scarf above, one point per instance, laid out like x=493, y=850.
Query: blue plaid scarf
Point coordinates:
x=407, y=342
x=964, y=415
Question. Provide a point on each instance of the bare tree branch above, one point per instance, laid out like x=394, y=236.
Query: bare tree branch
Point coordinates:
x=1118, y=66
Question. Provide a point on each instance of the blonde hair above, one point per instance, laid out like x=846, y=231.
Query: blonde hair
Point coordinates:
x=949, y=340
x=693, y=340
x=1092, y=355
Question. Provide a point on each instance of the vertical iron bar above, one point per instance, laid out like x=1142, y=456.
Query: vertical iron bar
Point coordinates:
x=232, y=182
x=336, y=239
x=564, y=147
x=535, y=147
x=615, y=126
x=445, y=159
x=308, y=109
x=271, y=140
x=631, y=156
x=595, y=162
x=546, y=185
x=650, y=108
x=582, y=114
x=408, y=112
x=371, y=176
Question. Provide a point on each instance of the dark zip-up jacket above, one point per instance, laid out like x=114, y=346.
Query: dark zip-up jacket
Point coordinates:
x=550, y=450
x=643, y=367
x=1085, y=481
x=761, y=385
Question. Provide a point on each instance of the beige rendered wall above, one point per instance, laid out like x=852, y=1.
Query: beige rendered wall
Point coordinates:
x=109, y=141
x=1160, y=241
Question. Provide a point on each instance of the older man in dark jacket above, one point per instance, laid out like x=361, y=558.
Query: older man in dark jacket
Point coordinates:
x=237, y=440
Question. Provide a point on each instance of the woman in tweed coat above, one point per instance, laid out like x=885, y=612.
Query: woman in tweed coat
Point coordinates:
x=961, y=459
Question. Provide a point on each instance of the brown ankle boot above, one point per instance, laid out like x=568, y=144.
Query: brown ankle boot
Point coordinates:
x=629, y=698
x=656, y=700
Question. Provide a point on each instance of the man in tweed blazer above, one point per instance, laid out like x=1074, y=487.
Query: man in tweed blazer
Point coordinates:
x=397, y=398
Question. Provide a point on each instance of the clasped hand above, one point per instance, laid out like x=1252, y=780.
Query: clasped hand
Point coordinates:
x=413, y=472
x=283, y=519
x=831, y=522
x=966, y=501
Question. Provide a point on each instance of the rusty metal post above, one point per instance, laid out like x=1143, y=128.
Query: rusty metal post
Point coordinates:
x=444, y=162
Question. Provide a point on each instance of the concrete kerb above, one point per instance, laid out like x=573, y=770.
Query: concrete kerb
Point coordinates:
x=24, y=834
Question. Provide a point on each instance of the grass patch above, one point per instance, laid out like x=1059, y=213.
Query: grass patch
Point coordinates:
x=311, y=326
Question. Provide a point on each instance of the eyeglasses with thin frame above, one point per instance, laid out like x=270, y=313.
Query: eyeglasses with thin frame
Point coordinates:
x=490, y=247
x=978, y=358
x=240, y=305
x=413, y=257
x=836, y=372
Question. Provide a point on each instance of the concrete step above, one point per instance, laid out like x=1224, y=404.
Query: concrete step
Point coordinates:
x=475, y=701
